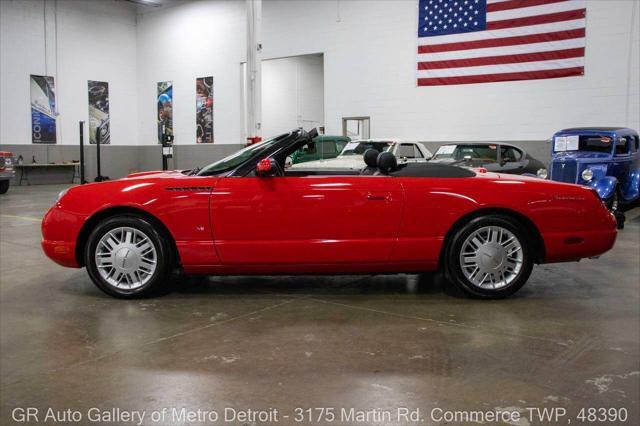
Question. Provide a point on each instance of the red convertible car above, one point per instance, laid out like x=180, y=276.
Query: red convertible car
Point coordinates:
x=247, y=214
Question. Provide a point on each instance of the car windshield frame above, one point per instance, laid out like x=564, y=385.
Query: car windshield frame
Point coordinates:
x=457, y=147
x=353, y=152
x=583, y=144
x=240, y=157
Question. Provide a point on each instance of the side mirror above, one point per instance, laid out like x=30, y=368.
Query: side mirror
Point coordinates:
x=266, y=167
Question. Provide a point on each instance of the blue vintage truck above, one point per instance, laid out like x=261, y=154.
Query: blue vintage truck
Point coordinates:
x=604, y=158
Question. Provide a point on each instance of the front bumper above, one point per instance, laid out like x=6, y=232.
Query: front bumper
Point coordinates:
x=61, y=252
x=60, y=231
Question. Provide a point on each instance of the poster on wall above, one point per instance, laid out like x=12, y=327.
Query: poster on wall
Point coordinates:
x=165, y=109
x=43, y=109
x=204, y=110
x=99, y=130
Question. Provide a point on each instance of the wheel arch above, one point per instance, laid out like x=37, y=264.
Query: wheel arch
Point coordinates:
x=107, y=213
x=530, y=229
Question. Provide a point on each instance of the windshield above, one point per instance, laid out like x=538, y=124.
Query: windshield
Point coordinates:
x=240, y=157
x=590, y=143
x=358, y=148
x=487, y=153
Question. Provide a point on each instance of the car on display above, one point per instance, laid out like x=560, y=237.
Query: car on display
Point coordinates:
x=323, y=147
x=248, y=214
x=351, y=156
x=495, y=157
x=6, y=171
x=606, y=159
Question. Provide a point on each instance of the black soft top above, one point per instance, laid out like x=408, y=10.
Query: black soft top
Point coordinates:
x=431, y=170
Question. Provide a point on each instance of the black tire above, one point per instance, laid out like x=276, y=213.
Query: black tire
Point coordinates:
x=4, y=186
x=158, y=283
x=452, y=264
x=613, y=202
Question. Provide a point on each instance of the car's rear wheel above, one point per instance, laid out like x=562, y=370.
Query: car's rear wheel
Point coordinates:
x=4, y=186
x=126, y=257
x=489, y=257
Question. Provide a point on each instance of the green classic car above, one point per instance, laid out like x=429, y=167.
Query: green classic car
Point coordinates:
x=321, y=148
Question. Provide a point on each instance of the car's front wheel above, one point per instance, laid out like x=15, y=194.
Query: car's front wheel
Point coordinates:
x=126, y=257
x=489, y=257
x=4, y=186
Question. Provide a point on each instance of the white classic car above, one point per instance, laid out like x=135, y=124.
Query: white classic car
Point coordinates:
x=351, y=155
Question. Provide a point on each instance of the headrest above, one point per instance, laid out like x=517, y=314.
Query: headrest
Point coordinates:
x=371, y=157
x=387, y=162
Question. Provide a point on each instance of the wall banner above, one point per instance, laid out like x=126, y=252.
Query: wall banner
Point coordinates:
x=99, y=129
x=43, y=109
x=165, y=109
x=204, y=110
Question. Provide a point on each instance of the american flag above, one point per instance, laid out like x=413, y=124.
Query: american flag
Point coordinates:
x=481, y=41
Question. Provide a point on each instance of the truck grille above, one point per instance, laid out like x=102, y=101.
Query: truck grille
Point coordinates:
x=2, y=163
x=564, y=171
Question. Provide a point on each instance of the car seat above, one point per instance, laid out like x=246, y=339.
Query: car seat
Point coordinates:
x=370, y=157
x=387, y=163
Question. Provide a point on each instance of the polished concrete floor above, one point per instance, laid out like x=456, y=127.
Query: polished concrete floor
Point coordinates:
x=570, y=338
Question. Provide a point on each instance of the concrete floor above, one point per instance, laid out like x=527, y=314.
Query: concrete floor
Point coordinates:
x=570, y=338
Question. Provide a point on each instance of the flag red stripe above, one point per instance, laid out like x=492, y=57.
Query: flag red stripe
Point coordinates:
x=491, y=78
x=537, y=19
x=504, y=41
x=517, y=4
x=503, y=59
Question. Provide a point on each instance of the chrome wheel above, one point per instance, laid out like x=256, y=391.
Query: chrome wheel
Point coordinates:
x=491, y=257
x=126, y=258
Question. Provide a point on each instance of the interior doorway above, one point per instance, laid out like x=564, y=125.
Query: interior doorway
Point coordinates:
x=292, y=94
x=356, y=127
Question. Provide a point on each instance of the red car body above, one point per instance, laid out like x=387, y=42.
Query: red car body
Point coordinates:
x=327, y=224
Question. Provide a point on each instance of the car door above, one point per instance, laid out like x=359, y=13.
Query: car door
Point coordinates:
x=306, y=219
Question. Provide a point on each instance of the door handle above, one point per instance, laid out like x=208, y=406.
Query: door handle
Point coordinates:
x=378, y=197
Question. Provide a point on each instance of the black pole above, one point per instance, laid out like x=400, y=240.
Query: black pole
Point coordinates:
x=99, y=177
x=165, y=163
x=82, y=181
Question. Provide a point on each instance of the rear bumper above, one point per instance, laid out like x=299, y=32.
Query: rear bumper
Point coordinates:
x=566, y=247
x=61, y=252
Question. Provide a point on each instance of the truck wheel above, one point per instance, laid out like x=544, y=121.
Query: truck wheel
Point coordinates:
x=4, y=186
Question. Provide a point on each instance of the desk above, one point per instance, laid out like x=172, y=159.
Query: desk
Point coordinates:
x=26, y=168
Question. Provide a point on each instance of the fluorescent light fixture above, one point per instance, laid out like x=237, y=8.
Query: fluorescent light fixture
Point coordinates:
x=153, y=3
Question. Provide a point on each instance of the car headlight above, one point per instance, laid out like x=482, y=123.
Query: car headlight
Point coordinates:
x=542, y=173
x=61, y=194
x=587, y=175
x=7, y=161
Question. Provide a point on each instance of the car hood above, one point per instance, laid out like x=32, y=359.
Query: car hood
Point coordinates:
x=355, y=162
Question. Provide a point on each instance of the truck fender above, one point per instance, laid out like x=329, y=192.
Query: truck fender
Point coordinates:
x=631, y=189
x=605, y=186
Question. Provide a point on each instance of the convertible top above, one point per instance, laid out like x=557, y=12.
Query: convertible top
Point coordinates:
x=431, y=170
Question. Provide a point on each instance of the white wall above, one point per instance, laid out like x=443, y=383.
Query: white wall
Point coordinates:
x=183, y=43
x=292, y=94
x=369, y=62
x=369, y=55
x=89, y=40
